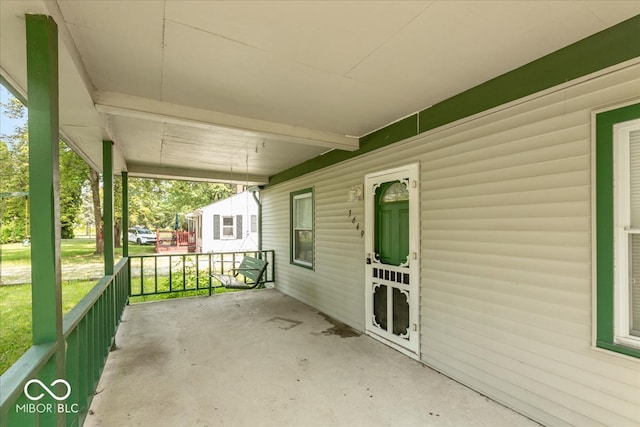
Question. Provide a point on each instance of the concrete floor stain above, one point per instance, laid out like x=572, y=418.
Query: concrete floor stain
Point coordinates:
x=285, y=324
x=340, y=329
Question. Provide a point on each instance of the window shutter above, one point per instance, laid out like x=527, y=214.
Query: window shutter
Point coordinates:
x=239, y=227
x=216, y=227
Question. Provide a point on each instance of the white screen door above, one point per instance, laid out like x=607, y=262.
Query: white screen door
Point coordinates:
x=392, y=242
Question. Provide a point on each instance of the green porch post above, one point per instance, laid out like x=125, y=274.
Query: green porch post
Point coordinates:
x=107, y=216
x=125, y=214
x=44, y=207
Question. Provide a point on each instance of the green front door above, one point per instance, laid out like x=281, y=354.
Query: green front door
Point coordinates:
x=392, y=223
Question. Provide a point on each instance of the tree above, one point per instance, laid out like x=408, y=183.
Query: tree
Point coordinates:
x=147, y=204
x=152, y=202
x=186, y=196
x=14, y=177
x=94, y=179
x=74, y=175
x=117, y=215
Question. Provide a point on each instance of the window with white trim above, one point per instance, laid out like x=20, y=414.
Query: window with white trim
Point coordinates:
x=228, y=227
x=617, y=232
x=302, y=235
x=254, y=223
x=626, y=140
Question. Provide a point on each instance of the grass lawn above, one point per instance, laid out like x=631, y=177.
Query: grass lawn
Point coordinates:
x=15, y=310
x=163, y=286
x=15, y=301
x=74, y=252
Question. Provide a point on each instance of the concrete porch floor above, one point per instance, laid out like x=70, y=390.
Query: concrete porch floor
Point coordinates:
x=261, y=358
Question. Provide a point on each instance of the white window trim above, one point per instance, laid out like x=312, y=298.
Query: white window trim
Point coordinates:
x=622, y=234
x=253, y=223
x=306, y=195
x=222, y=227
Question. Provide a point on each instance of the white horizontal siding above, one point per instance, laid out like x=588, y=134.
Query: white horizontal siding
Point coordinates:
x=506, y=254
x=335, y=287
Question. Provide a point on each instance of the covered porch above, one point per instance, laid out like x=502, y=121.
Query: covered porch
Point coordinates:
x=299, y=101
x=263, y=358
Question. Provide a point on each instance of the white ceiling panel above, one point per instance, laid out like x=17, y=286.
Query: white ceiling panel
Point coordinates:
x=139, y=140
x=117, y=39
x=451, y=50
x=215, y=73
x=138, y=22
x=330, y=36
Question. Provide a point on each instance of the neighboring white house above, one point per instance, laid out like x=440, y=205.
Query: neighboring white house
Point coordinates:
x=228, y=225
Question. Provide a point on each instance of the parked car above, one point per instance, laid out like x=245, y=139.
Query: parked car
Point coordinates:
x=142, y=236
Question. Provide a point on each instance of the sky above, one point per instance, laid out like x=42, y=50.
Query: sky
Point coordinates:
x=7, y=125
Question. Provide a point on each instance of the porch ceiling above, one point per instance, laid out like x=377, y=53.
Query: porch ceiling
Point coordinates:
x=242, y=90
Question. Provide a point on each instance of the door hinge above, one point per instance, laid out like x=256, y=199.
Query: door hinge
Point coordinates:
x=415, y=327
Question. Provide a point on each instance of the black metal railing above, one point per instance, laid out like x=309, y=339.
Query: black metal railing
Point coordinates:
x=187, y=274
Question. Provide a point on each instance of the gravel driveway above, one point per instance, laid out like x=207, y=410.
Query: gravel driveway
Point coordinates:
x=17, y=275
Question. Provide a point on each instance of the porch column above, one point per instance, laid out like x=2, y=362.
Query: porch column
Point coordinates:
x=107, y=216
x=125, y=214
x=44, y=206
x=44, y=196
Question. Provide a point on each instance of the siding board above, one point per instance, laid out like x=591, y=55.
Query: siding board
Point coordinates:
x=509, y=174
x=553, y=195
x=504, y=146
x=569, y=363
x=585, y=410
x=518, y=298
x=560, y=378
x=523, y=250
x=548, y=181
x=561, y=239
x=568, y=223
x=506, y=256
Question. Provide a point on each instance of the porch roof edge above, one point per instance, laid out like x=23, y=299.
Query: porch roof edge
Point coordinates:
x=613, y=45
